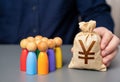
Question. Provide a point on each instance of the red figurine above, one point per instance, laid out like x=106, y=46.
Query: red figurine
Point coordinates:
x=24, y=54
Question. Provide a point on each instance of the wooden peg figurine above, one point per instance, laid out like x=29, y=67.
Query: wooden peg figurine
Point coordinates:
x=23, y=55
x=58, y=52
x=31, y=64
x=51, y=55
x=43, y=66
x=37, y=40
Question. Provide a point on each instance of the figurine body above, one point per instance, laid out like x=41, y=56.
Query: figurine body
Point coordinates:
x=52, y=61
x=31, y=68
x=43, y=63
x=58, y=55
x=23, y=58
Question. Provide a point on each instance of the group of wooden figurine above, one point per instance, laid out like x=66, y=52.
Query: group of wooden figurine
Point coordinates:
x=40, y=55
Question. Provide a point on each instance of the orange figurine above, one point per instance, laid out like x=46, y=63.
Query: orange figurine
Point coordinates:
x=58, y=52
x=43, y=66
x=31, y=63
x=23, y=55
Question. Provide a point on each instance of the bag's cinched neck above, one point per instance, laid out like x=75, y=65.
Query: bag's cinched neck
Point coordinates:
x=87, y=26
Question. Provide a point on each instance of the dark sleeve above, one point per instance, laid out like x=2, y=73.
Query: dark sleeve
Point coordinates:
x=96, y=10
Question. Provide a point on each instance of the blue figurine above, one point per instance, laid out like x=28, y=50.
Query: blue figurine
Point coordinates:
x=31, y=63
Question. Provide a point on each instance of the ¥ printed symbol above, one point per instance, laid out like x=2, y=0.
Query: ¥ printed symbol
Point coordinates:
x=85, y=52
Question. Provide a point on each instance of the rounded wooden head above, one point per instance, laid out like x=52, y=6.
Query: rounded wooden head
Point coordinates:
x=31, y=46
x=30, y=39
x=58, y=41
x=38, y=39
x=51, y=43
x=44, y=39
x=42, y=46
x=23, y=43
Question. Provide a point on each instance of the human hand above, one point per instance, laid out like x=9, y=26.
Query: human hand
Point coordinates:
x=109, y=44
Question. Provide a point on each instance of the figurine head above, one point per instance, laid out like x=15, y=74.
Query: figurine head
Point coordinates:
x=23, y=43
x=30, y=39
x=44, y=39
x=31, y=46
x=42, y=46
x=58, y=41
x=38, y=39
x=51, y=43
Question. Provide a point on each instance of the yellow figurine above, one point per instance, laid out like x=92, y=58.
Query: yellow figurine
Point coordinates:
x=58, y=52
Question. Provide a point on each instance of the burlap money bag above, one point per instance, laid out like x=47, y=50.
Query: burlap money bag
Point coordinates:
x=86, y=49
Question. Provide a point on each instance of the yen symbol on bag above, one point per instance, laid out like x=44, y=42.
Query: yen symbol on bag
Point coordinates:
x=85, y=52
